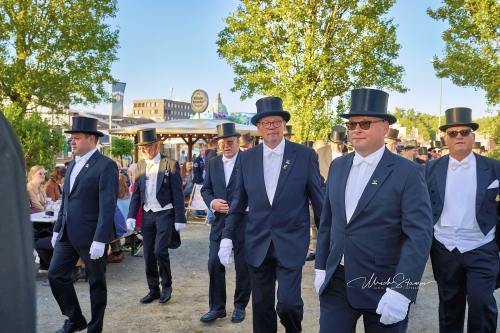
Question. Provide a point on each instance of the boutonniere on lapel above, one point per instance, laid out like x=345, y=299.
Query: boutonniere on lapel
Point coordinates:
x=166, y=173
x=286, y=164
x=375, y=182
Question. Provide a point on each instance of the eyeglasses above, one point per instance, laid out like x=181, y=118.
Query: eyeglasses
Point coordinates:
x=269, y=124
x=365, y=124
x=463, y=133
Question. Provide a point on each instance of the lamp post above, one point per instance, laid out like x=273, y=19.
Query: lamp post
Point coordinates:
x=440, y=97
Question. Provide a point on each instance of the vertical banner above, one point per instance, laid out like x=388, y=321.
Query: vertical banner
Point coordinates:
x=117, y=91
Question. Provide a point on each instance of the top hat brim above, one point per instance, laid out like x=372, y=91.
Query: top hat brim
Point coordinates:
x=474, y=126
x=86, y=132
x=235, y=134
x=284, y=114
x=389, y=117
x=393, y=138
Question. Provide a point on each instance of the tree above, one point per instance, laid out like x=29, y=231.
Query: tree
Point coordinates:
x=311, y=53
x=471, y=54
x=56, y=52
x=122, y=147
x=40, y=141
x=426, y=124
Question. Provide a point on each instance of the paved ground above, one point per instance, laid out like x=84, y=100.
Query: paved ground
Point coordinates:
x=127, y=284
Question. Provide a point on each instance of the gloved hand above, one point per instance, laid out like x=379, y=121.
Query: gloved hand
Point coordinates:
x=319, y=279
x=96, y=250
x=392, y=307
x=226, y=246
x=54, y=239
x=130, y=224
x=180, y=226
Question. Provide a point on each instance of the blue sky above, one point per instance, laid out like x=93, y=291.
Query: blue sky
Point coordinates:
x=167, y=44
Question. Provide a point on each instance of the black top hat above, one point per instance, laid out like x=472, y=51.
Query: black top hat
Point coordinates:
x=476, y=145
x=338, y=135
x=289, y=130
x=81, y=124
x=458, y=117
x=246, y=139
x=226, y=130
x=270, y=106
x=146, y=136
x=422, y=151
x=369, y=102
x=393, y=134
x=410, y=144
x=436, y=144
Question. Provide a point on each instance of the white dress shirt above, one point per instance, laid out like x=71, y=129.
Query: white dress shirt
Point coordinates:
x=457, y=226
x=228, y=166
x=80, y=162
x=361, y=171
x=272, y=160
x=151, y=203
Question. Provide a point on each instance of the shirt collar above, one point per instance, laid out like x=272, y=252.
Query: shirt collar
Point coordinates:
x=468, y=161
x=278, y=150
x=371, y=159
x=85, y=157
x=225, y=159
x=155, y=159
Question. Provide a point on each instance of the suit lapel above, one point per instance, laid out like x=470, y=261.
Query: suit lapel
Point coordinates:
x=258, y=168
x=286, y=168
x=377, y=179
x=235, y=171
x=161, y=173
x=84, y=170
x=482, y=176
x=220, y=176
x=343, y=175
x=67, y=179
x=441, y=173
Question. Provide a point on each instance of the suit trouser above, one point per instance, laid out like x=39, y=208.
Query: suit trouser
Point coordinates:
x=337, y=315
x=290, y=307
x=156, y=236
x=461, y=277
x=62, y=264
x=44, y=249
x=217, y=273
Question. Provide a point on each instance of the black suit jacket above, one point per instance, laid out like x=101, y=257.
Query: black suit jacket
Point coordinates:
x=285, y=222
x=214, y=187
x=88, y=210
x=198, y=168
x=17, y=302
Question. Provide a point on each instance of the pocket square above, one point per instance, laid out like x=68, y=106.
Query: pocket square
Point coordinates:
x=494, y=184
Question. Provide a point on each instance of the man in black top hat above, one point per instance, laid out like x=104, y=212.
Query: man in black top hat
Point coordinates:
x=361, y=237
x=392, y=140
x=464, y=191
x=158, y=191
x=422, y=155
x=217, y=192
x=276, y=180
x=246, y=141
x=84, y=226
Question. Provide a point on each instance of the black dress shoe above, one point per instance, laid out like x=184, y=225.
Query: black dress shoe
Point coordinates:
x=211, y=315
x=311, y=256
x=149, y=298
x=70, y=326
x=238, y=315
x=165, y=295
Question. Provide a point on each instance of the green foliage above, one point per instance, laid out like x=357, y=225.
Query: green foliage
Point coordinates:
x=40, y=141
x=122, y=147
x=426, y=124
x=471, y=54
x=490, y=126
x=56, y=52
x=311, y=53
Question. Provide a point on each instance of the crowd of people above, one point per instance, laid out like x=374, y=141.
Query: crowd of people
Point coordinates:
x=368, y=209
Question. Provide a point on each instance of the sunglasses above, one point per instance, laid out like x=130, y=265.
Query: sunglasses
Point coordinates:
x=269, y=124
x=463, y=133
x=364, y=125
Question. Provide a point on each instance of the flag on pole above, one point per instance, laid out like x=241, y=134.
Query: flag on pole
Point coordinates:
x=117, y=91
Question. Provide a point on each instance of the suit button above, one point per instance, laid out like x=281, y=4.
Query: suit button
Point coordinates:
x=434, y=202
x=435, y=214
x=432, y=191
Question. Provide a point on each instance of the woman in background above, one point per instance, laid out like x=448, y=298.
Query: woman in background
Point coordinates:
x=122, y=210
x=36, y=193
x=53, y=187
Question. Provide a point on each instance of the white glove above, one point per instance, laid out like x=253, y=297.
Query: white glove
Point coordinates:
x=226, y=246
x=96, y=250
x=180, y=226
x=392, y=307
x=319, y=279
x=130, y=224
x=54, y=239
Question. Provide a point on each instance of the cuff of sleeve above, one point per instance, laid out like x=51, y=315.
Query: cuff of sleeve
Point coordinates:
x=211, y=207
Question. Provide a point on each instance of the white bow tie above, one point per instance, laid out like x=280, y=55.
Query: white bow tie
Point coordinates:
x=358, y=160
x=226, y=160
x=455, y=165
x=78, y=158
x=271, y=153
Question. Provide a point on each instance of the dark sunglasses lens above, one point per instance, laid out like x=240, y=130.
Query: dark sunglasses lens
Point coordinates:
x=365, y=124
x=452, y=134
x=464, y=132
